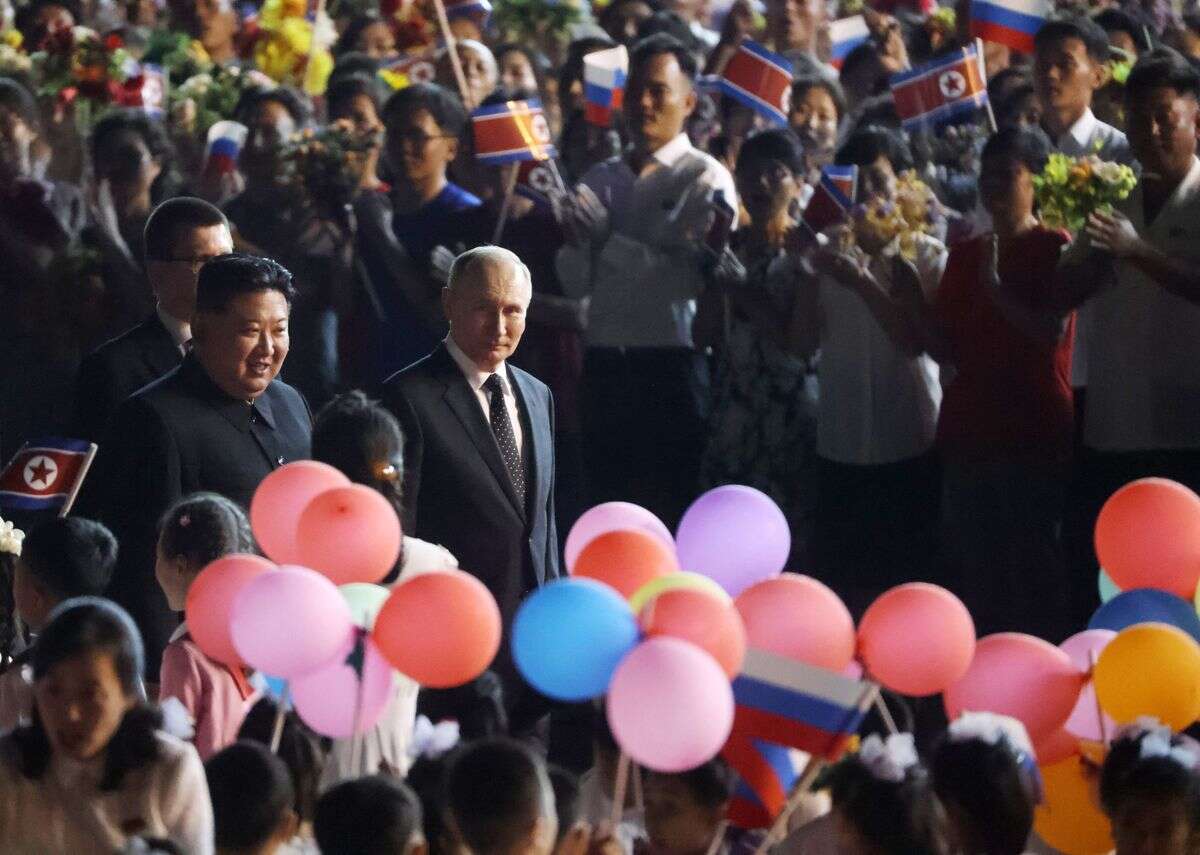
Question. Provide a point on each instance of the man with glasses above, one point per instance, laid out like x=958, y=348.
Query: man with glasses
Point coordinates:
x=181, y=234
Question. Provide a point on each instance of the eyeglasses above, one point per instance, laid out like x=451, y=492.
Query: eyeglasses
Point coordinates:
x=418, y=139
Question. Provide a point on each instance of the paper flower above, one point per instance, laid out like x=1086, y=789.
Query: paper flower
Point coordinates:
x=11, y=538
x=889, y=760
x=432, y=741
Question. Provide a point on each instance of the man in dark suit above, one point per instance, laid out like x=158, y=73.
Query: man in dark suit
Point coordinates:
x=181, y=235
x=479, y=440
x=219, y=422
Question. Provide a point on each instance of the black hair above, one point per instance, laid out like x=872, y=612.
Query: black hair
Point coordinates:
x=659, y=44
x=90, y=625
x=446, y=108
x=1028, y=146
x=347, y=42
x=494, y=794
x=227, y=276
x=296, y=104
x=354, y=62
x=868, y=144
x=347, y=87
x=503, y=94
x=1007, y=80
x=801, y=86
x=672, y=24
x=1162, y=68
x=865, y=53
x=899, y=817
x=173, y=217
x=609, y=10
x=17, y=98
x=779, y=144
x=990, y=791
x=711, y=784
x=572, y=68
x=153, y=133
x=377, y=814
x=251, y=790
x=537, y=60
x=1094, y=39
x=1191, y=20
x=1128, y=777
x=478, y=706
x=70, y=556
x=299, y=749
x=566, y=799
x=1120, y=21
x=27, y=24
x=1008, y=106
x=425, y=776
x=202, y=527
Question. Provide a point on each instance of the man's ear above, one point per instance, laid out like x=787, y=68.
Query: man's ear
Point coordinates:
x=689, y=103
x=1100, y=73
x=452, y=148
x=446, y=298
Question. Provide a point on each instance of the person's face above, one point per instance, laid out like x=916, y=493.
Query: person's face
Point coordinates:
x=659, y=99
x=767, y=189
x=81, y=703
x=814, y=118
x=675, y=821
x=418, y=149
x=32, y=603
x=1146, y=827
x=516, y=73
x=377, y=41
x=1124, y=41
x=174, y=279
x=1006, y=188
x=478, y=68
x=1162, y=131
x=243, y=348
x=467, y=27
x=16, y=141
x=486, y=311
x=270, y=126
x=1065, y=77
x=360, y=111
x=877, y=180
x=213, y=22
x=169, y=574
x=125, y=161
x=792, y=23
x=623, y=22
x=1027, y=113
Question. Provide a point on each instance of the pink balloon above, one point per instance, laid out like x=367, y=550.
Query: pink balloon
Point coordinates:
x=917, y=639
x=210, y=601
x=325, y=699
x=290, y=623
x=800, y=618
x=1021, y=676
x=1056, y=747
x=612, y=516
x=1085, y=722
x=350, y=534
x=280, y=499
x=734, y=535
x=670, y=705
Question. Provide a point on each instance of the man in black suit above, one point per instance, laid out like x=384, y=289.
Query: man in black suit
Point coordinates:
x=181, y=235
x=219, y=422
x=479, y=439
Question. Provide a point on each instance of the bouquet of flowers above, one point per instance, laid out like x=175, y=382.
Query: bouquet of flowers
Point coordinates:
x=78, y=68
x=1069, y=189
x=292, y=49
x=545, y=24
x=13, y=60
x=205, y=99
x=877, y=222
x=325, y=166
x=179, y=54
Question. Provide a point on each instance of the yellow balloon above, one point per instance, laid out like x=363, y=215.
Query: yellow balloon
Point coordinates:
x=1150, y=669
x=1069, y=818
x=674, y=582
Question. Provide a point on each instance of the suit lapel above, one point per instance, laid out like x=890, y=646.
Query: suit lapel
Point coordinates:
x=537, y=444
x=160, y=354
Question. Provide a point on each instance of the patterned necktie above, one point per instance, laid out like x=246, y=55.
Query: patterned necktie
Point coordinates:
x=505, y=438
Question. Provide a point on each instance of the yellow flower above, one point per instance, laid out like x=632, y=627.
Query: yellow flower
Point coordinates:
x=12, y=38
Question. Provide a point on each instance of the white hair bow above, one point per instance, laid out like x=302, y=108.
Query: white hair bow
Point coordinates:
x=11, y=538
x=991, y=728
x=431, y=740
x=889, y=760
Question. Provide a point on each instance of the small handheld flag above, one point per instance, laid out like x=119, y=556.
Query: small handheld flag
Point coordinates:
x=846, y=35
x=467, y=8
x=225, y=141
x=832, y=198
x=759, y=79
x=1009, y=22
x=941, y=91
x=46, y=474
x=604, y=73
x=410, y=68
x=765, y=777
x=512, y=131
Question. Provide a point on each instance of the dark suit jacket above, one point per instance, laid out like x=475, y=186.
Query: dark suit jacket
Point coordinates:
x=117, y=369
x=181, y=435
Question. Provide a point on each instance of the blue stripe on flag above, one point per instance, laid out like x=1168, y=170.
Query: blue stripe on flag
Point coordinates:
x=947, y=112
x=935, y=67
x=753, y=102
x=780, y=62
x=597, y=94
x=31, y=503
x=792, y=704
x=54, y=443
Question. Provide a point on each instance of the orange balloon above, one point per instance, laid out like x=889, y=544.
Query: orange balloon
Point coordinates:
x=800, y=618
x=625, y=560
x=441, y=629
x=1150, y=669
x=709, y=622
x=1069, y=818
x=1148, y=536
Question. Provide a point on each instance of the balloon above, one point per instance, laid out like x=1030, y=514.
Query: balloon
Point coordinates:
x=1021, y=676
x=1146, y=605
x=800, y=618
x=1108, y=588
x=612, y=516
x=351, y=534
x=569, y=636
x=625, y=560
x=735, y=535
x=917, y=639
x=1150, y=670
x=441, y=629
x=289, y=623
x=1085, y=722
x=670, y=705
x=326, y=699
x=364, y=601
x=210, y=601
x=1068, y=817
x=682, y=580
x=710, y=623
x=1056, y=747
x=1148, y=536
x=279, y=500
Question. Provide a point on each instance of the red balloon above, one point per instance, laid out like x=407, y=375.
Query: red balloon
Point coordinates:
x=350, y=534
x=800, y=618
x=625, y=560
x=1148, y=536
x=1056, y=747
x=1021, y=676
x=210, y=600
x=917, y=639
x=280, y=499
x=710, y=623
x=441, y=629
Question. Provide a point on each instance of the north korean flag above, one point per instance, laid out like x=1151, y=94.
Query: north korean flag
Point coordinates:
x=765, y=778
x=512, y=131
x=941, y=91
x=45, y=474
x=832, y=198
x=759, y=79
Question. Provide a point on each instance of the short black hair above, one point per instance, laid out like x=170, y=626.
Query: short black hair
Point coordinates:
x=174, y=216
x=1008, y=106
x=861, y=55
x=868, y=144
x=17, y=98
x=152, y=131
x=1120, y=21
x=70, y=556
x=987, y=786
x=801, y=86
x=896, y=816
x=354, y=62
x=780, y=144
x=672, y=24
x=495, y=794
x=227, y=276
x=711, y=784
x=1007, y=80
x=251, y=790
x=446, y=108
x=566, y=799
x=202, y=527
x=1029, y=146
x=299, y=749
x=1094, y=39
x=1162, y=68
x=348, y=40
x=297, y=105
x=347, y=87
x=375, y=815
x=658, y=44
x=1128, y=777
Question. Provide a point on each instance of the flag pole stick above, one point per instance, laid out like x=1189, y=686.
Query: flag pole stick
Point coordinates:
x=280, y=714
x=1099, y=709
x=885, y=714
x=506, y=205
x=983, y=74
x=83, y=471
x=618, y=807
x=636, y=775
x=452, y=47
x=718, y=838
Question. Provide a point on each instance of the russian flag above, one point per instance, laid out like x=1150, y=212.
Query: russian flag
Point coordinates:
x=46, y=474
x=225, y=141
x=760, y=80
x=846, y=35
x=604, y=73
x=765, y=777
x=832, y=198
x=1009, y=22
x=801, y=706
x=941, y=91
x=512, y=131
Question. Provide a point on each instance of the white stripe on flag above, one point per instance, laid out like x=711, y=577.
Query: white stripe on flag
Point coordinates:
x=780, y=671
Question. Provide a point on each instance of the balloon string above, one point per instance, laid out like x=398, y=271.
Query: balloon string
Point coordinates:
x=718, y=838
x=618, y=808
x=1099, y=709
x=280, y=714
x=885, y=714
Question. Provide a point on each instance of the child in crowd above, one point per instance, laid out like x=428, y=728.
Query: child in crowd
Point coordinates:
x=597, y=785
x=686, y=811
x=198, y=530
x=574, y=832
x=92, y=769
x=61, y=558
x=376, y=815
x=252, y=799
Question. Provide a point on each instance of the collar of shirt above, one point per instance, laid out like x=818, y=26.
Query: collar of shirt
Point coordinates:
x=1081, y=132
x=670, y=153
x=475, y=377
x=181, y=331
x=241, y=414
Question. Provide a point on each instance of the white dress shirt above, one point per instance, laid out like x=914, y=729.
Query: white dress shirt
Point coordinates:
x=181, y=331
x=476, y=378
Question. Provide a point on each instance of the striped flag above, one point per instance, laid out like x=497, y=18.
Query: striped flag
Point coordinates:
x=604, y=73
x=225, y=141
x=760, y=80
x=467, y=8
x=846, y=35
x=410, y=68
x=765, y=777
x=1009, y=22
x=941, y=91
x=832, y=198
x=512, y=131
x=46, y=474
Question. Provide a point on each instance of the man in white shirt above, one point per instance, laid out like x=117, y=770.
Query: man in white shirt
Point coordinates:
x=635, y=229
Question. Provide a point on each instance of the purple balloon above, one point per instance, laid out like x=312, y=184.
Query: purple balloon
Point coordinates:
x=736, y=536
x=325, y=699
x=612, y=516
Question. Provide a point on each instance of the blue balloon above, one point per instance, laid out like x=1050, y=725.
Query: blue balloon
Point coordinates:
x=569, y=637
x=1143, y=605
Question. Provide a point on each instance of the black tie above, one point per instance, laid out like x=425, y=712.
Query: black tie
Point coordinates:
x=505, y=438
